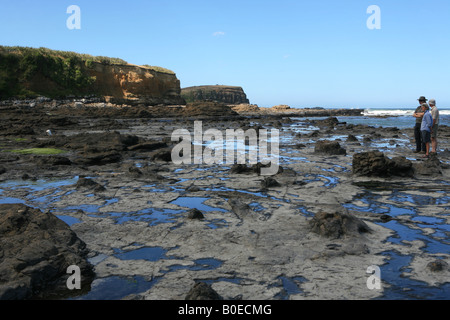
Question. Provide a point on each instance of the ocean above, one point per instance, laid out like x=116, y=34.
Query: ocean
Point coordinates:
x=400, y=118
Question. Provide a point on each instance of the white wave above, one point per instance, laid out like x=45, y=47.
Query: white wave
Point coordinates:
x=395, y=112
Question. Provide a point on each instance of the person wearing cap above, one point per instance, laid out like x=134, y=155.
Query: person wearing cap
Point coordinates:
x=418, y=114
x=425, y=128
x=435, y=127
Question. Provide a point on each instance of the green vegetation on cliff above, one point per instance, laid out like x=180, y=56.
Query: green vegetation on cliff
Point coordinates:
x=29, y=72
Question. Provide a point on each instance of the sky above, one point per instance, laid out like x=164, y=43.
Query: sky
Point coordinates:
x=299, y=53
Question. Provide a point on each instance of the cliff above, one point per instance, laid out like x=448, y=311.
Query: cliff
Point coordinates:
x=223, y=94
x=132, y=84
x=28, y=72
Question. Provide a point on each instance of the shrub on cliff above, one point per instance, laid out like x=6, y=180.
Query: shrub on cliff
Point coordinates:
x=28, y=72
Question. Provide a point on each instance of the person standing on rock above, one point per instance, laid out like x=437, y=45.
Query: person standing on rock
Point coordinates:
x=425, y=128
x=435, y=127
x=418, y=114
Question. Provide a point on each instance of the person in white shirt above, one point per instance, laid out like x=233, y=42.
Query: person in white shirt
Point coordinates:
x=435, y=127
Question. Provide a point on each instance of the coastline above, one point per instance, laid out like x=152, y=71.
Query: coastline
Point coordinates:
x=137, y=229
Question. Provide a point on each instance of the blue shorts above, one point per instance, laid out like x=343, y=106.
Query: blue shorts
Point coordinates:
x=426, y=136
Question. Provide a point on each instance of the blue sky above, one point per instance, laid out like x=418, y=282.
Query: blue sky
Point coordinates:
x=299, y=53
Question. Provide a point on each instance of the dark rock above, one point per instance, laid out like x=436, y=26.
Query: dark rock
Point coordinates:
x=89, y=184
x=437, y=266
x=329, y=147
x=329, y=122
x=430, y=167
x=202, y=291
x=2, y=170
x=224, y=94
x=52, y=161
x=375, y=163
x=148, y=146
x=195, y=214
x=337, y=225
x=162, y=155
x=240, y=168
x=36, y=248
x=100, y=142
x=269, y=182
x=98, y=159
x=351, y=138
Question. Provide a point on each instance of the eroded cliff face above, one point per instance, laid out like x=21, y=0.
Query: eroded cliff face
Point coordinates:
x=132, y=84
x=225, y=94
x=30, y=72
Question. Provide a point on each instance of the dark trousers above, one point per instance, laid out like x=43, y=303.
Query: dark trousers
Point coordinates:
x=420, y=145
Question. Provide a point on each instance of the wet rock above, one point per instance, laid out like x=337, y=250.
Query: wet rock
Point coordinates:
x=148, y=146
x=437, y=266
x=329, y=147
x=202, y=291
x=351, y=138
x=329, y=122
x=98, y=159
x=195, y=214
x=193, y=188
x=430, y=167
x=162, y=155
x=337, y=225
x=269, y=182
x=375, y=163
x=36, y=248
x=89, y=184
x=101, y=142
x=240, y=168
x=2, y=170
x=256, y=168
x=52, y=161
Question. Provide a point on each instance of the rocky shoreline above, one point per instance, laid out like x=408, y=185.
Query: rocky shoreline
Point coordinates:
x=347, y=197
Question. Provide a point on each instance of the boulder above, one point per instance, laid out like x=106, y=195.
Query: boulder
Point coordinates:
x=430, y=167
x=375, y=163
x=202, y=291
x=36, y=248
x=195, y=214
x=337, y=225
x=329, y=147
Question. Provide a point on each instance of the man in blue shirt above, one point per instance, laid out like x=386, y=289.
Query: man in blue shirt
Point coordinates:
x=425, y=128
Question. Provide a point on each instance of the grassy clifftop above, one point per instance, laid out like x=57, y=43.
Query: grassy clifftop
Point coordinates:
x=26, y=72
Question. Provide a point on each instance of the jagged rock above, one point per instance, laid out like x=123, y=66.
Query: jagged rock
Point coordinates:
x=36, y=248
x=429, y=167
x=89, y=184
x=337, y=225
x=269, y=182
x=329, y=147
x=375, y=163
x=202, y=291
